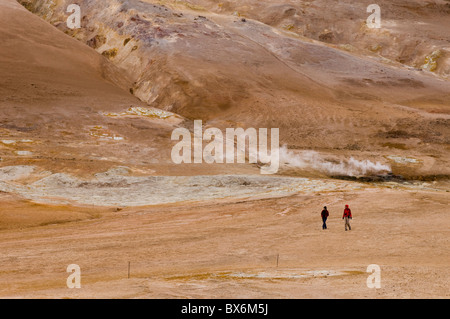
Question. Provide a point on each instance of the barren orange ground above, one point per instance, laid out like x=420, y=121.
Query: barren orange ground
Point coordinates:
x=229, y=250
x=85, y=137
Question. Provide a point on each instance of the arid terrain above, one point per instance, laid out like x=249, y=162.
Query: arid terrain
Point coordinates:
x=87, y=178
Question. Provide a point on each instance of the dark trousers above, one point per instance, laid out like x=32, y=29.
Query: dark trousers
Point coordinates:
x=324, y=226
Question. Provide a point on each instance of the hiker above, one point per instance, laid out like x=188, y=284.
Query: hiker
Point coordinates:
x=346, y=217
x=324, y=215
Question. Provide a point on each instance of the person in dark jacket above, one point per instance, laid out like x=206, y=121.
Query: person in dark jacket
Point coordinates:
x=346, y=217
x=324, y=215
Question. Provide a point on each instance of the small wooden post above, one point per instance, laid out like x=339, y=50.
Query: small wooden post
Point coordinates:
x=129, y=270
x=278, y=257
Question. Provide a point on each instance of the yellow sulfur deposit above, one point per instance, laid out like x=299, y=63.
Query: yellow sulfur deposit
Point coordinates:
x=103, y=133
x=142, y=111
x=431, y=61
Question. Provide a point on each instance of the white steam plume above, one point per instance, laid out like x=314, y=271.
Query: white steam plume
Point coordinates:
x=348, y=167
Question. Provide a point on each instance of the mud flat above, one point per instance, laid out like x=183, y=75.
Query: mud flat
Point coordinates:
x=115, y=188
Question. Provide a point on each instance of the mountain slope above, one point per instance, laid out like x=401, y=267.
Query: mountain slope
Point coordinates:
x=57, y=98
x=206, y=62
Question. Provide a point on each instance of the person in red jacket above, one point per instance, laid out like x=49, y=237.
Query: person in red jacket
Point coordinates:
x=324, y=215
x=346, y=217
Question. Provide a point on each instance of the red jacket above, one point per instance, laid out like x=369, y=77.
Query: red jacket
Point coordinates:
x=347, y=213
x=325, y=213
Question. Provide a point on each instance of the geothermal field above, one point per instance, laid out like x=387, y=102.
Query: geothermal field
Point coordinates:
x=185, y=149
